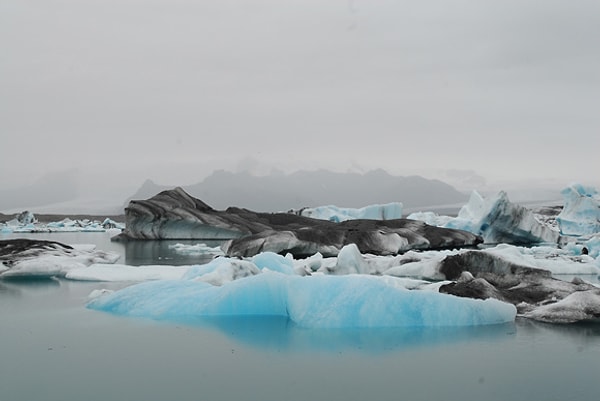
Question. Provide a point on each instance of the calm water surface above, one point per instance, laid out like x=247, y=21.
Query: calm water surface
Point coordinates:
x=133, y=253
x=53, y=348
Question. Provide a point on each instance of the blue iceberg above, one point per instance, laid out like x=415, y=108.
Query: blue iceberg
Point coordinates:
x=352, y=301
x=498, y=220
x=581, y=212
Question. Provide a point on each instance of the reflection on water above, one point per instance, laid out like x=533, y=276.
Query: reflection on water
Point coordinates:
x=16, y=286
x=133, y=253
x=158, y=253
x=278, y=333
x=580, y=331
x=53, y=348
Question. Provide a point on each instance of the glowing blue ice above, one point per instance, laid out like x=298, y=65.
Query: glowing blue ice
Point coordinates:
x=593, y=247
x=498, y=220
x=314, y=302
x=581, y=211
x=274, y=262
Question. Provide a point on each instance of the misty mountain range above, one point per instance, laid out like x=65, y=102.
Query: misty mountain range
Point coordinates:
x=280, y=192
x=68, y=192
x=51, y=188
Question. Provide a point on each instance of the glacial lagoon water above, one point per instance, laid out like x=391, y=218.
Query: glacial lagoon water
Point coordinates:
x=53, y=348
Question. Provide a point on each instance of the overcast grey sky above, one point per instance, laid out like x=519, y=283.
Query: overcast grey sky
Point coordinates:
x=171, y=89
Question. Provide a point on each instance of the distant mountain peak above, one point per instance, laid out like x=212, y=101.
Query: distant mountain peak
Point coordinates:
x=277, y=192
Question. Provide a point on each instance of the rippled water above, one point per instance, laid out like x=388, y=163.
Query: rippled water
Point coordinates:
x=53, y=348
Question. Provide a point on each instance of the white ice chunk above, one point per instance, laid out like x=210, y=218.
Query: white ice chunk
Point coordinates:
x=197, y=249
x=555, y=260
x=558, y=261
x=310, y=264
x=386, y=211
x=57, y=261
x=43, y=266
x=425, y=265
x=431, y=218
x=28, y=224
x=578, y=306
x=111, y=224
x=222, y=270
x=351, y=261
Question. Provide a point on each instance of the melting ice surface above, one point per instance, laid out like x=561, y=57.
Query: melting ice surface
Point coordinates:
x=386, y=211
x=314, y=302
x=581, y=211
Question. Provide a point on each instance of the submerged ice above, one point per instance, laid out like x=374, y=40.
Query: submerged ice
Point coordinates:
x=37, y=258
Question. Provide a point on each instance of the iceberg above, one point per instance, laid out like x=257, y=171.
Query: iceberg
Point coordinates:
x=429, y=265
x=197, y=249
x=111, y=224
x=27, y=223
x=581, y=212
x=174, y=214
x=484, y=275
x=26, y=217
x=578, y=306
x=385, y=237
x=352, y=301
x=388, y=211
x=498, y=220
x=556, y=260
x=21, y=258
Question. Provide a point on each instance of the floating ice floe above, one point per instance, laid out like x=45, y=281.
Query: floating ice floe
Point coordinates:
x=427, y=265
x=314, y=302
x=581, y=211
x=37, y=258
x=498, y=220
x=174, y=214
x=336, y=214
x=516, y=275
x=27, y=223
x=196, y=249
x=507, y=273
x=578, y=306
